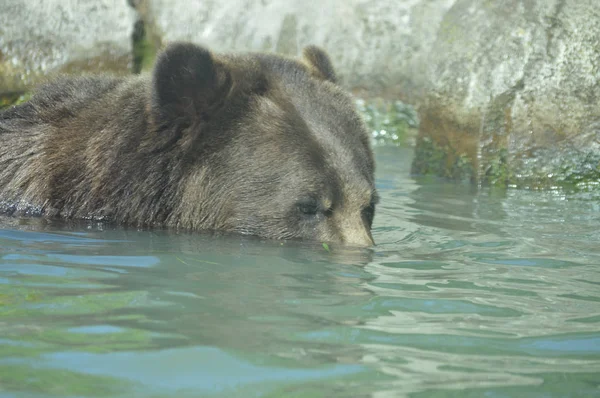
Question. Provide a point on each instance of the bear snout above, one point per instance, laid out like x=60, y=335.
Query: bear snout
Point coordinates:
x=354, y=232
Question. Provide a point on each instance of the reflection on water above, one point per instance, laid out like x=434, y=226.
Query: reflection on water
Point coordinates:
x=470, y=292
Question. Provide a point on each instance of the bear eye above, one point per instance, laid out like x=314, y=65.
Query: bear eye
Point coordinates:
x=308, y=206
x=369, y=212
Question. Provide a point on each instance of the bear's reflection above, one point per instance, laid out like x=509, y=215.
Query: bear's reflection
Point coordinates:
x=231, y=292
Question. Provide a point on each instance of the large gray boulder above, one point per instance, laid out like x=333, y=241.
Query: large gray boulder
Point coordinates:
x=378, y=47
x=41, y=37
x=514, y=94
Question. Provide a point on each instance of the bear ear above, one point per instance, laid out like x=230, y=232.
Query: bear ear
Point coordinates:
x=187, y=85
x=319, y=62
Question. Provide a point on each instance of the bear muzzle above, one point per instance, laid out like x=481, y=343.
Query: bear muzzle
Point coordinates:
x=354, y=232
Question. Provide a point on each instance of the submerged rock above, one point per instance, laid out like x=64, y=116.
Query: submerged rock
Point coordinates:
x=39, y=38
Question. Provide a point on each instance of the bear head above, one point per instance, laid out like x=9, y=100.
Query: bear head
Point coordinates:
x=272, y=146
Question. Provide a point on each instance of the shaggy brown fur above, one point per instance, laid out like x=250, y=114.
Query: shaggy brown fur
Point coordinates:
x=256, y=144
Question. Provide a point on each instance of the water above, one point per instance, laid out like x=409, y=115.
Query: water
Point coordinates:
x=469, y=293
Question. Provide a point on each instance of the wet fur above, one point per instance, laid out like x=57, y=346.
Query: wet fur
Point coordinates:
x=205, y=142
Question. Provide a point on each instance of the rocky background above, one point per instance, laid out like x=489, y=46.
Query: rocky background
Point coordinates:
x=507, y=92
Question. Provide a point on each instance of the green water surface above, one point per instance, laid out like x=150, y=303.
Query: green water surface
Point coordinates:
x=469, y=293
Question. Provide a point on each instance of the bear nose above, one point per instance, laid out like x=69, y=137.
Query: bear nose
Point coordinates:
x=362, y=239
x=356, y=233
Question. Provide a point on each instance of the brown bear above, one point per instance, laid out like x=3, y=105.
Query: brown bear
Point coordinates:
x=256, y=144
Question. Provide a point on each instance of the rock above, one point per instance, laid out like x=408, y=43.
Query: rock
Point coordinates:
x=378, y=48
x=514, y=94
x=42, y=37
x=507, y=92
